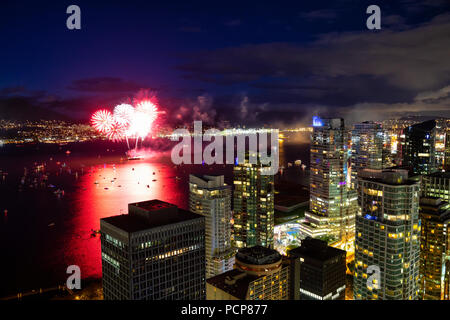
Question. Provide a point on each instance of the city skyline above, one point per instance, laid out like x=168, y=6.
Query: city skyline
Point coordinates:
x=319, y=58
x=136, y=163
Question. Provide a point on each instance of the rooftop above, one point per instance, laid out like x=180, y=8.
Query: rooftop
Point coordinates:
x=424, y=126
x=150, y=214
x=316, y=249
x=208, y=181
x=234, y=282
x=445, y=175
x=394, y=177
x=258, y=255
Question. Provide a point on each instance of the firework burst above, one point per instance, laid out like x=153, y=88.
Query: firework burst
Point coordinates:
x=117, y=132
x=102, y=120
x=126, y=122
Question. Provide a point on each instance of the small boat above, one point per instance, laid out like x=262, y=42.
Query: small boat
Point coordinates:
x=106, y=188
x=154, y=180
x=51, y=224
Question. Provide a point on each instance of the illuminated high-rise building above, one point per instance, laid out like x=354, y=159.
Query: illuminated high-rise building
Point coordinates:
x=420, y=145
x=253, y=206
x=434, y=249
x=332, y=201
x=440, y=141
x=210, y=197
x=447, y=152
x=367, y=148
x=260, y=274
x=394, y=141
x=155, y=252
x=387, y=236
x=437, y=185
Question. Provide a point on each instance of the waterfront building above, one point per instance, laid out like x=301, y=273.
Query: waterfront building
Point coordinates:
x=210, y=197
x=332, y=201
x=253, y=206
x=155, y=252
x=387, y=236
x=434, y=249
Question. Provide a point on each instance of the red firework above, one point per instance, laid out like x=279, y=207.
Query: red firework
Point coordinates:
x=102, y=121
x=116, y=132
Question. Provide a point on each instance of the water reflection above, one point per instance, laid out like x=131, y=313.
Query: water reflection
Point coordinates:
x=106, y=190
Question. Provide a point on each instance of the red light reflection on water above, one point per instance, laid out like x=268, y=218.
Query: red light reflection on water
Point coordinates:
x=105, y=191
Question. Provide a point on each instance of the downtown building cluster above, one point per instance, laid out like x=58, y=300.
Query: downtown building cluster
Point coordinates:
x=378, y=212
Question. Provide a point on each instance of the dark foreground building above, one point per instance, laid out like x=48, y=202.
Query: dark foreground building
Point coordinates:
x=322, y=270
x=156, y=251
x=420, y=151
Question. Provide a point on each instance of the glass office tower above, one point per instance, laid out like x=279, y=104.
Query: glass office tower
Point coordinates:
x=387, y=236
x=210, y=197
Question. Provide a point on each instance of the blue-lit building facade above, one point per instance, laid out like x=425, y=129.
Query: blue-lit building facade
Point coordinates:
x=332, y=202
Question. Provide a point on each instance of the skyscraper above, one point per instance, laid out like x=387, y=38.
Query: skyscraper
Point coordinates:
x=367, y=148
x=434, y=249
x=253, y=206
x=419, y=154
x=447, y=152
x=155, y=252
x=332, y=202
x=387, y=236
x=210, y=197
x=436, y=184
x=260, y=274
x=322, y=270
x=440, y=141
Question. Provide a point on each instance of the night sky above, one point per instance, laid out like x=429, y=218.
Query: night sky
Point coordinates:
x=245, y=62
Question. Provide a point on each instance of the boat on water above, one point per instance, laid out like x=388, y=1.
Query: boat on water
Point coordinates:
x=135, y=158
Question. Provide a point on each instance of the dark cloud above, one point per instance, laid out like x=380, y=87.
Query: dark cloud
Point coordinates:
x=391, y=66
x=105, y=84
x=26, y=108
x=322, y=14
